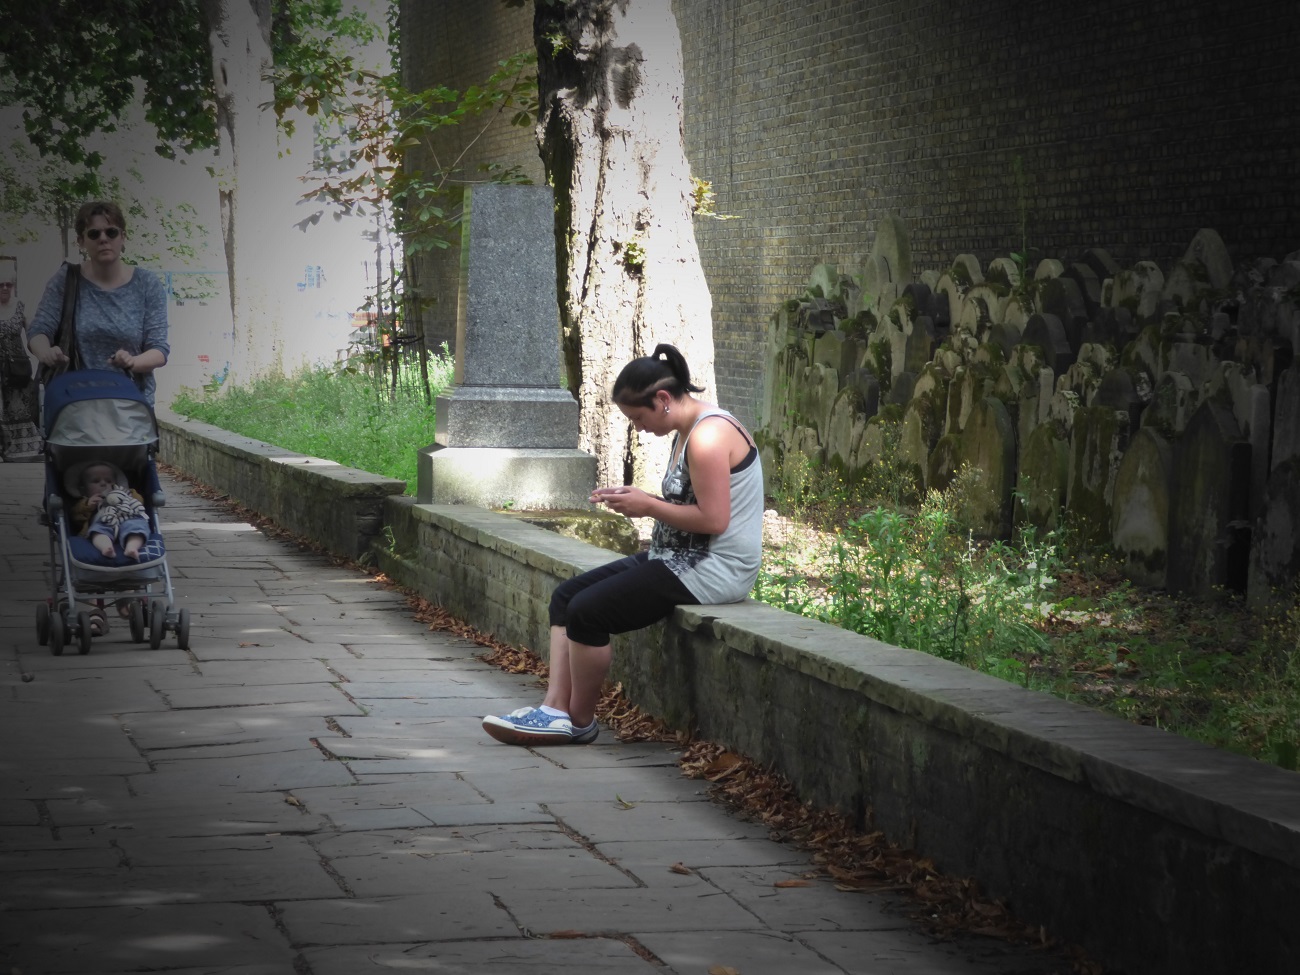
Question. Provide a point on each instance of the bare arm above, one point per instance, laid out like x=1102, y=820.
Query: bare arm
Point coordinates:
x=46, y=354
x=142, y=364
x=710, y=458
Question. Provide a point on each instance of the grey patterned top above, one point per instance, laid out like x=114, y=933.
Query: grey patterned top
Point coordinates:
x=715, y=568
x=131, y=317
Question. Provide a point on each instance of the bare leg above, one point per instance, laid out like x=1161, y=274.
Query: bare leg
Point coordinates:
x=131, y=548
x=559, y=686
x=103, y=544
x=588, y=668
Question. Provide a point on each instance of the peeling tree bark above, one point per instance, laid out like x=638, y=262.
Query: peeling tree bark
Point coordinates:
x=610, y=133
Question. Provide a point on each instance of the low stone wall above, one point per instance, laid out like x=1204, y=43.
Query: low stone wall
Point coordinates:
x=338, y=507
x=1157, y=854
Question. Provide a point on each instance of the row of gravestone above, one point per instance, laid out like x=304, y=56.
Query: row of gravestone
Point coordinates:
x=1155, y=411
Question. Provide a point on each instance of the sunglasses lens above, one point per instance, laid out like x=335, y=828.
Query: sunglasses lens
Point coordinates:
x=111, y=233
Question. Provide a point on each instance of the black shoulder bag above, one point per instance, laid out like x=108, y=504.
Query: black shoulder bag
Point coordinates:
x=66, y=337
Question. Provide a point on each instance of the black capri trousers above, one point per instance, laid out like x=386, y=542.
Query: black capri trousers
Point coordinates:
x=625, y=595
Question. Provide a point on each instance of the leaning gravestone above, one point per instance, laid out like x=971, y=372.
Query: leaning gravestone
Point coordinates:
x=1208, y=532
x=989, y=445
x=1139, y=521
x=1286, y=421
x=1097, y=443
x=1275, y=547
x=1043, y=475
x=506, y=434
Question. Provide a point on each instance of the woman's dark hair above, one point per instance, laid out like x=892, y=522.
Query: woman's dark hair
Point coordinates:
x=99, y=208
x=641, y=378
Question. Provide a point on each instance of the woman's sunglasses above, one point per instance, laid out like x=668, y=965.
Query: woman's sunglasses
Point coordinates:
x=111, y=233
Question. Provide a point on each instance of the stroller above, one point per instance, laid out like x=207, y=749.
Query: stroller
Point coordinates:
x=99, y=416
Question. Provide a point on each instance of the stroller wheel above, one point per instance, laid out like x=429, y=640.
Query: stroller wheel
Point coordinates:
x=136, y=617
x=83, y=633
x=183, y=629
x=58, y=634
x=42, y=623
x=157, y=622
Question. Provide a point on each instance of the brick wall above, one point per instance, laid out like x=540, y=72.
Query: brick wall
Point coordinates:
x=1134, y=125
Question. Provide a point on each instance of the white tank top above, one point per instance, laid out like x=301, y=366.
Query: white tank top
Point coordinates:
x=715, y=568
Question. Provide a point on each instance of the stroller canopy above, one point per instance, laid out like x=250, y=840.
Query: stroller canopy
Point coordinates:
x=97, y=408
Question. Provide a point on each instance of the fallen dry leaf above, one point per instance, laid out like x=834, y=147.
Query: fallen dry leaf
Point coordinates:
x=723, y=970
x=567, y=935
x=680, y=868
x=793, y=883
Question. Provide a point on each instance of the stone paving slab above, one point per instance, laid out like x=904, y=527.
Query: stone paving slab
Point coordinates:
x=519, y=956
x=307, y=791
x=208, y=814
x=217, y=938
x=752, y=953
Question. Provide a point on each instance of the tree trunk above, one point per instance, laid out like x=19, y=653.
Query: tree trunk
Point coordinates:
x=610, y=134
x=239, y=33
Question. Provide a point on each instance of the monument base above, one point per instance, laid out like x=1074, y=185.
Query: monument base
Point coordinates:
x=499, y=477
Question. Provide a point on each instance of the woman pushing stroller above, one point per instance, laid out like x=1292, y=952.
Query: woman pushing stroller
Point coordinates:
x=121, y=312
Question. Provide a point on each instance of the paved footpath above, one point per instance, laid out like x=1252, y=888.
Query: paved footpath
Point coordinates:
x=307, y=791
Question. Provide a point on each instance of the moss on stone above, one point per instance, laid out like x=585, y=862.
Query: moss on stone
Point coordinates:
x=604, y=529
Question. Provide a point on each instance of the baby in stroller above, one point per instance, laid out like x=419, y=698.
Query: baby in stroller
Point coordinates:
x=102, y=496
x=108, y=511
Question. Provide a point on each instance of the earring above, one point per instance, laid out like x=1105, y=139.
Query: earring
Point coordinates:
x=665, y=409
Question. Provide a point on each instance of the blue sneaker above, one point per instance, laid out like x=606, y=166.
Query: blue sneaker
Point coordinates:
x=533, y=726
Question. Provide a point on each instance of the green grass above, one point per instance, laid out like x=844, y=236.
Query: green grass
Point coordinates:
x=342, y=415
x=1044, y=613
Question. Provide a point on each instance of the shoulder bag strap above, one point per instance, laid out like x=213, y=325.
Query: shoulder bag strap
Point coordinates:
x=66, y=335
x=66, y=339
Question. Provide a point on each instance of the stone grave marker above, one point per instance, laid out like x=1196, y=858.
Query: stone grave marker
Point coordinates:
x=1102, y=264
x=1286, y=417
x=944, y=460
x=1209, y=252
x=1048, y=268
x=1118, y=391
x=868, y=389
x=507, y=432
x=844, y=425
x=988, y=444
x=1005, y=271
x=1209, y=536
x=1088, y=284
x=824, y=282
x=1097, y=444
x=1061, y=297
x=1043, y=471
x=1047, y=332
x=1173, y=400
x=828, y=349
x=901, y=389
x=1275, y=541
x=1139, y=523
